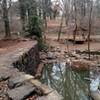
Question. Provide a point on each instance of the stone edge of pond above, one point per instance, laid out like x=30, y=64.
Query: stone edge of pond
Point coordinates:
x=19, y=81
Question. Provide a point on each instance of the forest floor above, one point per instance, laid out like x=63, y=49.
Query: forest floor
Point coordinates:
x=7, y=46
x=65, y=46
x=52, y=36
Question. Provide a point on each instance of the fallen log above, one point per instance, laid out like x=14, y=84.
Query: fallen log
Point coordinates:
x=48, y=93
x=39, y=71
x=95, y=95
x=81, y=64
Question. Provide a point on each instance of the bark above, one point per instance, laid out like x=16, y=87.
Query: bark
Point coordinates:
x=6, y=19
x=60, y=28
x=90, y=24
x=44, y=13
x=45, y=19
x=74, y=33
x=22, y=14
x=67, y=6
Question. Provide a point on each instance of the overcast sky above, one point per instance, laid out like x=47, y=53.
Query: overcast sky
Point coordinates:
x=14, y=0
x=17, y=0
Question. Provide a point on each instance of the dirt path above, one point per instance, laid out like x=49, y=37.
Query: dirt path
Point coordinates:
x=52, y=41
x=7, y=46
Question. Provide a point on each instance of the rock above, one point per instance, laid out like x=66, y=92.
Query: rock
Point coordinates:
x=18, y=80
x=66, y=56
x=4, y=73
x=42, y=56
x=65, y=51
x=4, y=78
x=52, y=96
x=58, y=49
x=38, y=84
x=11, y=85
x=75, y=55
x=51, y=55
x=21, y=93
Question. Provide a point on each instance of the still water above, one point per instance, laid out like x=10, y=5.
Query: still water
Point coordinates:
x=70, y=84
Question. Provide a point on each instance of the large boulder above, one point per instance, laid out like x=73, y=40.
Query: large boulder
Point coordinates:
x=21, y=93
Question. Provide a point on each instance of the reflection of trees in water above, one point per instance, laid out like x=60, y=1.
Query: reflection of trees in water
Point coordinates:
x=67, y=82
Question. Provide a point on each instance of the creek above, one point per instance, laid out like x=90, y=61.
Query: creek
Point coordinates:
x=71, y=85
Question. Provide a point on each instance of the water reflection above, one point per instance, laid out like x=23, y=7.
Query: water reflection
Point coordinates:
x=70, y=84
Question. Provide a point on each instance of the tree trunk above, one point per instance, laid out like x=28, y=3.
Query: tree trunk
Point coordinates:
x=60, y=28
x=45, y=19
x=22, y=14
x=66, y=20
x=44, y=13
x=6, y=20
x=75, y=31
x=90, y=24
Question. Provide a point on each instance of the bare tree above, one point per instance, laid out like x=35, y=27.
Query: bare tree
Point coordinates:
x=6, y=19
x=75, y=11
x=22, y=13
x=44, y=12
x=60, y=28
x=90, y=24
x=67, y=8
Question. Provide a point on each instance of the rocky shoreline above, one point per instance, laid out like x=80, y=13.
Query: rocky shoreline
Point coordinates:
x=15, y=81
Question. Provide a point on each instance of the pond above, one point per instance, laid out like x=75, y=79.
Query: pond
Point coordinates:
x=71, y=85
